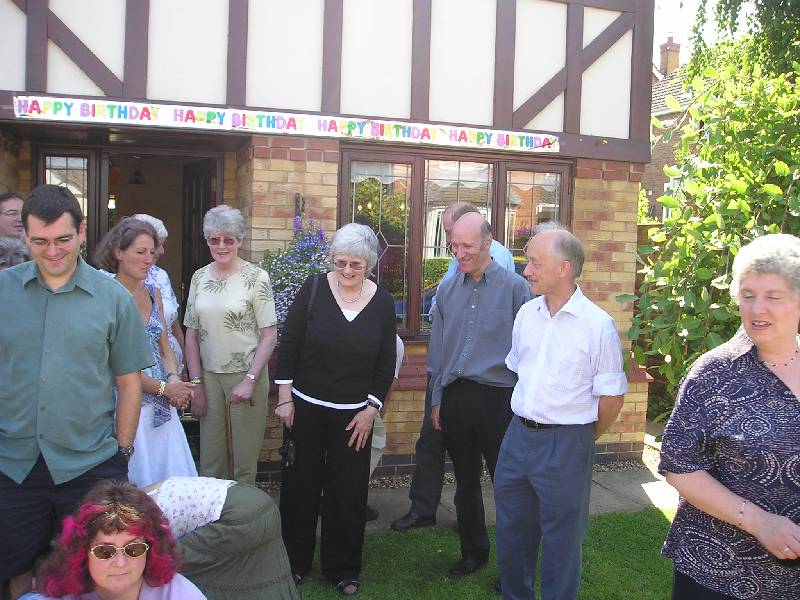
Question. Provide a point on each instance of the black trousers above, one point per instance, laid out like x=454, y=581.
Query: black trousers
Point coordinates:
x=426, y=483
x=474, y=419
x=686, y=588
x=327, y=475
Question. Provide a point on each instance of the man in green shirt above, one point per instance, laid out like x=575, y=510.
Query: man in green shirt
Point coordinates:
x=69, y=335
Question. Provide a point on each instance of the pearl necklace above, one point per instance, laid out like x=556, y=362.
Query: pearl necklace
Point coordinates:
x=786, y=364
x=354, y=300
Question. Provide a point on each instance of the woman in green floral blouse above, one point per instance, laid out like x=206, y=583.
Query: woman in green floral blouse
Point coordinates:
x=230, y=320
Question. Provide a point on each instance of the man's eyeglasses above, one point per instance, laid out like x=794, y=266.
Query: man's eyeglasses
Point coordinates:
x=62, y=242
x=468, y=248
x=227, y=241
x=109, y=551
x=12, y=212
x=354, y=265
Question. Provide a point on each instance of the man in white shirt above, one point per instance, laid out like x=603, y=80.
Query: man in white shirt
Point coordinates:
x=566, y=352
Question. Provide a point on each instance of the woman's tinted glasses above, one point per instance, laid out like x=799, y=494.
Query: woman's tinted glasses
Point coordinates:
x=108, y=551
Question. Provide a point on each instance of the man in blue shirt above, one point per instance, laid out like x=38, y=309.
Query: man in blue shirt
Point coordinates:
x=70, y=334
x=426, y=483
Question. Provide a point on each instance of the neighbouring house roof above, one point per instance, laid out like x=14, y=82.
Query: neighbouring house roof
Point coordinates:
x=670, y=85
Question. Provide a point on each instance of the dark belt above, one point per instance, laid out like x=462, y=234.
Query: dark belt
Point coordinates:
x=535, y=425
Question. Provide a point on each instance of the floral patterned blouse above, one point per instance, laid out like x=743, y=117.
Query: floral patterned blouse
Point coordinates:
x=228, y=314
x=736, y=420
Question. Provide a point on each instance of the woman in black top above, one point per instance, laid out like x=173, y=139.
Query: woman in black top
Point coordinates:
x=732, y=444
x=336, y=364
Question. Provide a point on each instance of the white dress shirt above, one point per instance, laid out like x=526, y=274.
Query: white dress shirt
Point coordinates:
x=564, y=362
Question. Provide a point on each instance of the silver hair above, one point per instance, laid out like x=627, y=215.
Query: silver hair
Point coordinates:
x=158, y=225
x=357, y=240
x=567, y=245
x=224, y=219
x=775, y=253
x=12, y=252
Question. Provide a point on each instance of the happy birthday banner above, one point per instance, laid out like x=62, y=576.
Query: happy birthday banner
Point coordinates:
x=184, y=116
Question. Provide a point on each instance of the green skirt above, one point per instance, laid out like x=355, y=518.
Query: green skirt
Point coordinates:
x=241, y=556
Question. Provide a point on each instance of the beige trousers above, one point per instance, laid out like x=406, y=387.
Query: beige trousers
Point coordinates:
x=247, y=428
x=378, y=443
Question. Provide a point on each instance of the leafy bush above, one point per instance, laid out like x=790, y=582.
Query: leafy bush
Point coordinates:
x=739, y=164
x=288, y=269
x=434, y=269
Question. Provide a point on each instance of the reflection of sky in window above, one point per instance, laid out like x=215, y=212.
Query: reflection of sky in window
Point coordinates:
x=69, y=171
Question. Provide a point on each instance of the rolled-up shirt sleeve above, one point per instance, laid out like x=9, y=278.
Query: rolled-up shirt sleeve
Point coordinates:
x=512, y=362
x=609, y=378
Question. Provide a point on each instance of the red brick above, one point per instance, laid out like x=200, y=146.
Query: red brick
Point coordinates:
x=638, y=167
x=313, y=155
x=615, y=165
x=260, y=140
x=260, y=152
x=588, y=163
x=330, y=157
x=637, y=177
x=286, y=212
x=321, y=213
x=288, y=142
x=322, y=144
x=598, y=256
x=612, y=246
x=261, y=211
x=589, y=173
x=616, y=175
x=279, y=153
x=299, y=155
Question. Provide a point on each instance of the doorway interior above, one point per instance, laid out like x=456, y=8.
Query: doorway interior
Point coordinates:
x=112, y=184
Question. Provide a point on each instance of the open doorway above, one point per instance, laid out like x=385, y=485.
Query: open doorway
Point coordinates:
x=176, y=189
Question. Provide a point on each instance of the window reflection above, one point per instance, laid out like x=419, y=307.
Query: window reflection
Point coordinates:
x=379, y=198
x=531, y=198
x=447, y=182
x=71, y=172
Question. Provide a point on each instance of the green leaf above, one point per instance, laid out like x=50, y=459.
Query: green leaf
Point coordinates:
x=655, y=122
x=626, y=298
x=704, y=273
x=669, y=202
x=771, y=189
x=714, y=339
x=738, y=186
x=711, y=72
x=672, y=103
x=671, y=171
x=782, y=169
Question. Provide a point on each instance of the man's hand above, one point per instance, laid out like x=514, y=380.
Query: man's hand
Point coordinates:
x=437, y=424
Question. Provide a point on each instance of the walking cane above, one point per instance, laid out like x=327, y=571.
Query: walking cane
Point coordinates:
x=229, y=438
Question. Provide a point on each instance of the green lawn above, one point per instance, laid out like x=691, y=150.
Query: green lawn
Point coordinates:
x=621, y=561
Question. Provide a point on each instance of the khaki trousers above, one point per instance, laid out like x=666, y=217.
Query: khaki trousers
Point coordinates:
x=378, y=443
x=247, y=427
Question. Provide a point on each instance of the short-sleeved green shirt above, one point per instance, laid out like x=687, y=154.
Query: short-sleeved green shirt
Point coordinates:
x=228, y=314
x=59, y=354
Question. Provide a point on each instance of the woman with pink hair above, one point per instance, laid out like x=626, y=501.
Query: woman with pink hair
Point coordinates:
x=118, y=546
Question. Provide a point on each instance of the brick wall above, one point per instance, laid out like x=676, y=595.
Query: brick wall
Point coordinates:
x=604, y=218
x=270, y=171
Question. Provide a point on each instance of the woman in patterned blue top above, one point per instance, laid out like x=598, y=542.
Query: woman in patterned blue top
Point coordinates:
x=732, y=445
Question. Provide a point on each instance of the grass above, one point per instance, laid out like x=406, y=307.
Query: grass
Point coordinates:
x=621, y=560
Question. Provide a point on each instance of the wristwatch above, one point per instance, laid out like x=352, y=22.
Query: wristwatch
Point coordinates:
x=250, y=376
x=126, y=451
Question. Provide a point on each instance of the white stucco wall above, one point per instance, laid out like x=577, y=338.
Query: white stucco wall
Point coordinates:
x=376, y=57
x=462, y=61
x=12, y=26
x=284, y=47
x=187, y=58
x=107, y=42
